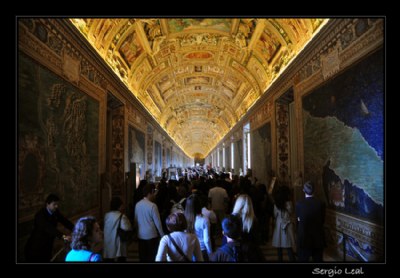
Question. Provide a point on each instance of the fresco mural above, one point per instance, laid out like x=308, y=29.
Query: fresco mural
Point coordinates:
x=268, y=45
x=131, y=49
x=136, y=145
x=58, y=142
x=343, y=140
x=261, y=152
x=186, y=24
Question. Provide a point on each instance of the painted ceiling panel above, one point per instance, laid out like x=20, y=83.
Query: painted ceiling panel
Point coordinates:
x=198, y=76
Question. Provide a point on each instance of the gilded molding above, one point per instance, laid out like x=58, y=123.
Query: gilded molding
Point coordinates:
x=261, y=116
x=71, y=68
x=308, y=84
x=368, y=42
x=33, y=47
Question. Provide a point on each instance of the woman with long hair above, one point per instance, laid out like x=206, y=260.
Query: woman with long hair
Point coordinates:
x=86, y=235
x=283, y=236
x=198, y=224
x=244, y=208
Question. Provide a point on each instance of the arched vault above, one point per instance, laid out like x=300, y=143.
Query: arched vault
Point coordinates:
x=192, y=74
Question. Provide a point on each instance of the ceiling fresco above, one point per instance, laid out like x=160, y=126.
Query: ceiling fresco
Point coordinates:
x=198, y=77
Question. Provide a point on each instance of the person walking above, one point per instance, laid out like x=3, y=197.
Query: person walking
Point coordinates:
x=147, y=223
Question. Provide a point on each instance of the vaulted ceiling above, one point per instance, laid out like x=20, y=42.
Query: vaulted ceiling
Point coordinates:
x=197, y=77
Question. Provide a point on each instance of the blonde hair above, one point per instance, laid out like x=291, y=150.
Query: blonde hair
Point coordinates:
x=244, y=208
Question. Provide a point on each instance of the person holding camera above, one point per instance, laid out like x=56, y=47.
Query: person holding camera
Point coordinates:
x=39, y=247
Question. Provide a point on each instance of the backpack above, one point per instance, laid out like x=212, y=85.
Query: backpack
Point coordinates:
x=177, y=206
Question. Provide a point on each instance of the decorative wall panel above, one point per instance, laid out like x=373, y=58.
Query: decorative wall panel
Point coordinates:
x=149, y=147
x=117, y=142
x=282, y=125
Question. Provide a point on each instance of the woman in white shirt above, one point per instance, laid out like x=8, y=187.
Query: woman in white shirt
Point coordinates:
x=178, y=246
x=114, y=248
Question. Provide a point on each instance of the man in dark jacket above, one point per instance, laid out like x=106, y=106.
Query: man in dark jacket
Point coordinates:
x=235, y=250
x=40, y=244
x=310, y=214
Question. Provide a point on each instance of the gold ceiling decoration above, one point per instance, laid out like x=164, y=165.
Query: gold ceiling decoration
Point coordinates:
x=198, y=77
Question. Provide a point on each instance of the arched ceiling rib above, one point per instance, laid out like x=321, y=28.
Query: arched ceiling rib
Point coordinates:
x=198, y=77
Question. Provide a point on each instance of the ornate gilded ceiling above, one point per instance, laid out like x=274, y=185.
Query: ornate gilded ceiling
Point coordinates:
x=198, y=77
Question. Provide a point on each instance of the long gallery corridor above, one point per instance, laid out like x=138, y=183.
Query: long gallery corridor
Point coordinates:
x=233, y=121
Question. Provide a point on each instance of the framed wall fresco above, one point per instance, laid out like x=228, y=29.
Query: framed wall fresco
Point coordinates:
x=261, y=152
x=136, y=145
x=136, y=148
x=58, y=138
x=343, y=140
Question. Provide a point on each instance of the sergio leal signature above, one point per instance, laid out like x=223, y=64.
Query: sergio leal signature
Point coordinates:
x=337, y=271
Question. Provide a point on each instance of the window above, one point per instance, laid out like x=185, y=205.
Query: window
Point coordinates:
x=246, y=148
x=232, y=158
x=223, y=155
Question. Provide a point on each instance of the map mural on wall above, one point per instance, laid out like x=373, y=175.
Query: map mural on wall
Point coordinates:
x=261, y=152
x=136, y=145
x=343, y=140
x=57, y=142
